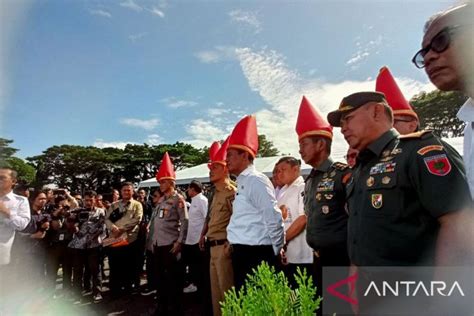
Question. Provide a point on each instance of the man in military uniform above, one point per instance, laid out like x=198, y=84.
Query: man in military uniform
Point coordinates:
x=324, y=195
x=215, y=229
x=168, y=229
x=396, y=214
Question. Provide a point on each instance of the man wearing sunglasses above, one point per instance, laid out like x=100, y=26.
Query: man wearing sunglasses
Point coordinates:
x=447, y=57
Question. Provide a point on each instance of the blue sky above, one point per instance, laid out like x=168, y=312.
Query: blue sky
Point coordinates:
x=107, y=73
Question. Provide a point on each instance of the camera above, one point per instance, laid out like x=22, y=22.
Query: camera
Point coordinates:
x=83, y=216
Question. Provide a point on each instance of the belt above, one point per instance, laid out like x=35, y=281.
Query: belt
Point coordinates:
x=217, y=242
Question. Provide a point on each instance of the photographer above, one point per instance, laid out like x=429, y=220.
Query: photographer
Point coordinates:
x=29, y=246
x=59, y=236
x=86, y=245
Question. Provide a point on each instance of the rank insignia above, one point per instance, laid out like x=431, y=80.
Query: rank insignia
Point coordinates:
x=318, y=196
x=328, y=196
x=396, y=151
x=325, y=209
x=385, y=153
x=332, y=174
x=438, y=165
x=377, y=201
x=370, y=181
x=386, y=180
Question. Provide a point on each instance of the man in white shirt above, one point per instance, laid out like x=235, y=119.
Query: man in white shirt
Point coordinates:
x=291, y=202
x=192, y=256
x=255, y=230
x=14, y=213
x=446, y=56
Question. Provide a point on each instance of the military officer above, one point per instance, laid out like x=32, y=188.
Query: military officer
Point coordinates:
x=324, y=196
x=408, y=197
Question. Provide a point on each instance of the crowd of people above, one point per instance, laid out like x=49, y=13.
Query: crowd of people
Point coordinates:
x=383, y=207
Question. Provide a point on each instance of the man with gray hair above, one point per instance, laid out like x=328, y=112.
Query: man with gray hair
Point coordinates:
x=447, y=57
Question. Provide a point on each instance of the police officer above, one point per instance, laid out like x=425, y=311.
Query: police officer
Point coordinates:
x=397, y=214
x=168, y=229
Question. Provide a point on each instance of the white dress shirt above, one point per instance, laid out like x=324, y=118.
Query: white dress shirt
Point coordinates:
x=298, y=250
x=466, y=114
x=20, y=216
x=197, y=216
x=256, y=218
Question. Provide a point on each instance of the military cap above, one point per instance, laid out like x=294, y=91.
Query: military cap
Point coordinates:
x=353, y=102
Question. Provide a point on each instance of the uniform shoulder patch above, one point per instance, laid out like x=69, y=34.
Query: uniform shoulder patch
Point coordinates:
x=423, y=151
x=340, y=166
x=420, y=134
x=438, y=165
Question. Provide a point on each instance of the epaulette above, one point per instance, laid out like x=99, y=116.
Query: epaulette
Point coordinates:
x=420, y=134
x=340, y=166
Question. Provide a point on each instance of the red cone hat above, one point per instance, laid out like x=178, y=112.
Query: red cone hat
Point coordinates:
x=213, y=150
x=245, y=136
x=166, y=170
x=221, y=155
x=310, y=122
x=386, y=84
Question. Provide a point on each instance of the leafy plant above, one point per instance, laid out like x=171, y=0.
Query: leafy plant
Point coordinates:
x=268, y=293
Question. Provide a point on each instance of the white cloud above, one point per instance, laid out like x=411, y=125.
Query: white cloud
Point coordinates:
x=282, y=88
x=175, y=103
x=130, y=4
x=358, y=57
x=145, y=124
x=214, y=112
x=100, y=143
x=218, y=54
x=364, y=51
x=136, y=37
x=154, y=139
x=246, y=18
x=157, y=12
x=101, y=13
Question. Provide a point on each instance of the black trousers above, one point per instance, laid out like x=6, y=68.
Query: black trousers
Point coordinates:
x=246, y=257
x=87, y=259
x=58, y=254
x=122, y=264
x=169, y=274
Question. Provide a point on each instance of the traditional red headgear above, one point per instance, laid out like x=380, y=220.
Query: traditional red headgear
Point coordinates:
x=310, y=122
x=386, y=84
x=166, y=170
x=213, y=150
x=220, y=155
x=245, y=136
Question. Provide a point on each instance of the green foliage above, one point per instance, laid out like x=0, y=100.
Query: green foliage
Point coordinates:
x=26, y=172
x=5, y=150
x=437, y=112
x=268, y=293
x=266, y=147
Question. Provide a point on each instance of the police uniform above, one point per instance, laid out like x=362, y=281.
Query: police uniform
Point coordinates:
x=324, y=200
x=401, y=186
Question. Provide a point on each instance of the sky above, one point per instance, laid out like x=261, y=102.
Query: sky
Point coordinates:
x=107, y=73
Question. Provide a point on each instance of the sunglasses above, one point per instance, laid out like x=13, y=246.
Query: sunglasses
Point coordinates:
x=439, y=43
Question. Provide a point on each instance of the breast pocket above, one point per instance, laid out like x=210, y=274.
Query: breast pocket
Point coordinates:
x=382, y=197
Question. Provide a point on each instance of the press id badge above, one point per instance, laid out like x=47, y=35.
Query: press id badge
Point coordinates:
x=61, y=237
x=161, y=214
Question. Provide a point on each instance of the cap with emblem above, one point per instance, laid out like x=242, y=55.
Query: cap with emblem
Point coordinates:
x=220, y=155
x=386, y=84
x=244, y=136
x=166, y=170
x=353, y=102
x=310, y=122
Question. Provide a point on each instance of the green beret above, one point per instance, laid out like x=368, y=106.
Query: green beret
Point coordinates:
x=353, y=102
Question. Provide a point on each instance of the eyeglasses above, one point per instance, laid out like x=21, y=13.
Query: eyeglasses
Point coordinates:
x=439, y=43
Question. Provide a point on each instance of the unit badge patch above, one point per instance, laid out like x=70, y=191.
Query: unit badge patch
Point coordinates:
x=325, y=209
x=423, y=151
x=377, y=201
x=438, y=165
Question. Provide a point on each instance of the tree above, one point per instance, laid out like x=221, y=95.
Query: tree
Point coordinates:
x=5, y=150
x=26, y=172
x=437, y=112
x=266, y=147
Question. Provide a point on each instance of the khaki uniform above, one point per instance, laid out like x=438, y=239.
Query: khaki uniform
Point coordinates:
x=129, y=220
x=222, y=276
